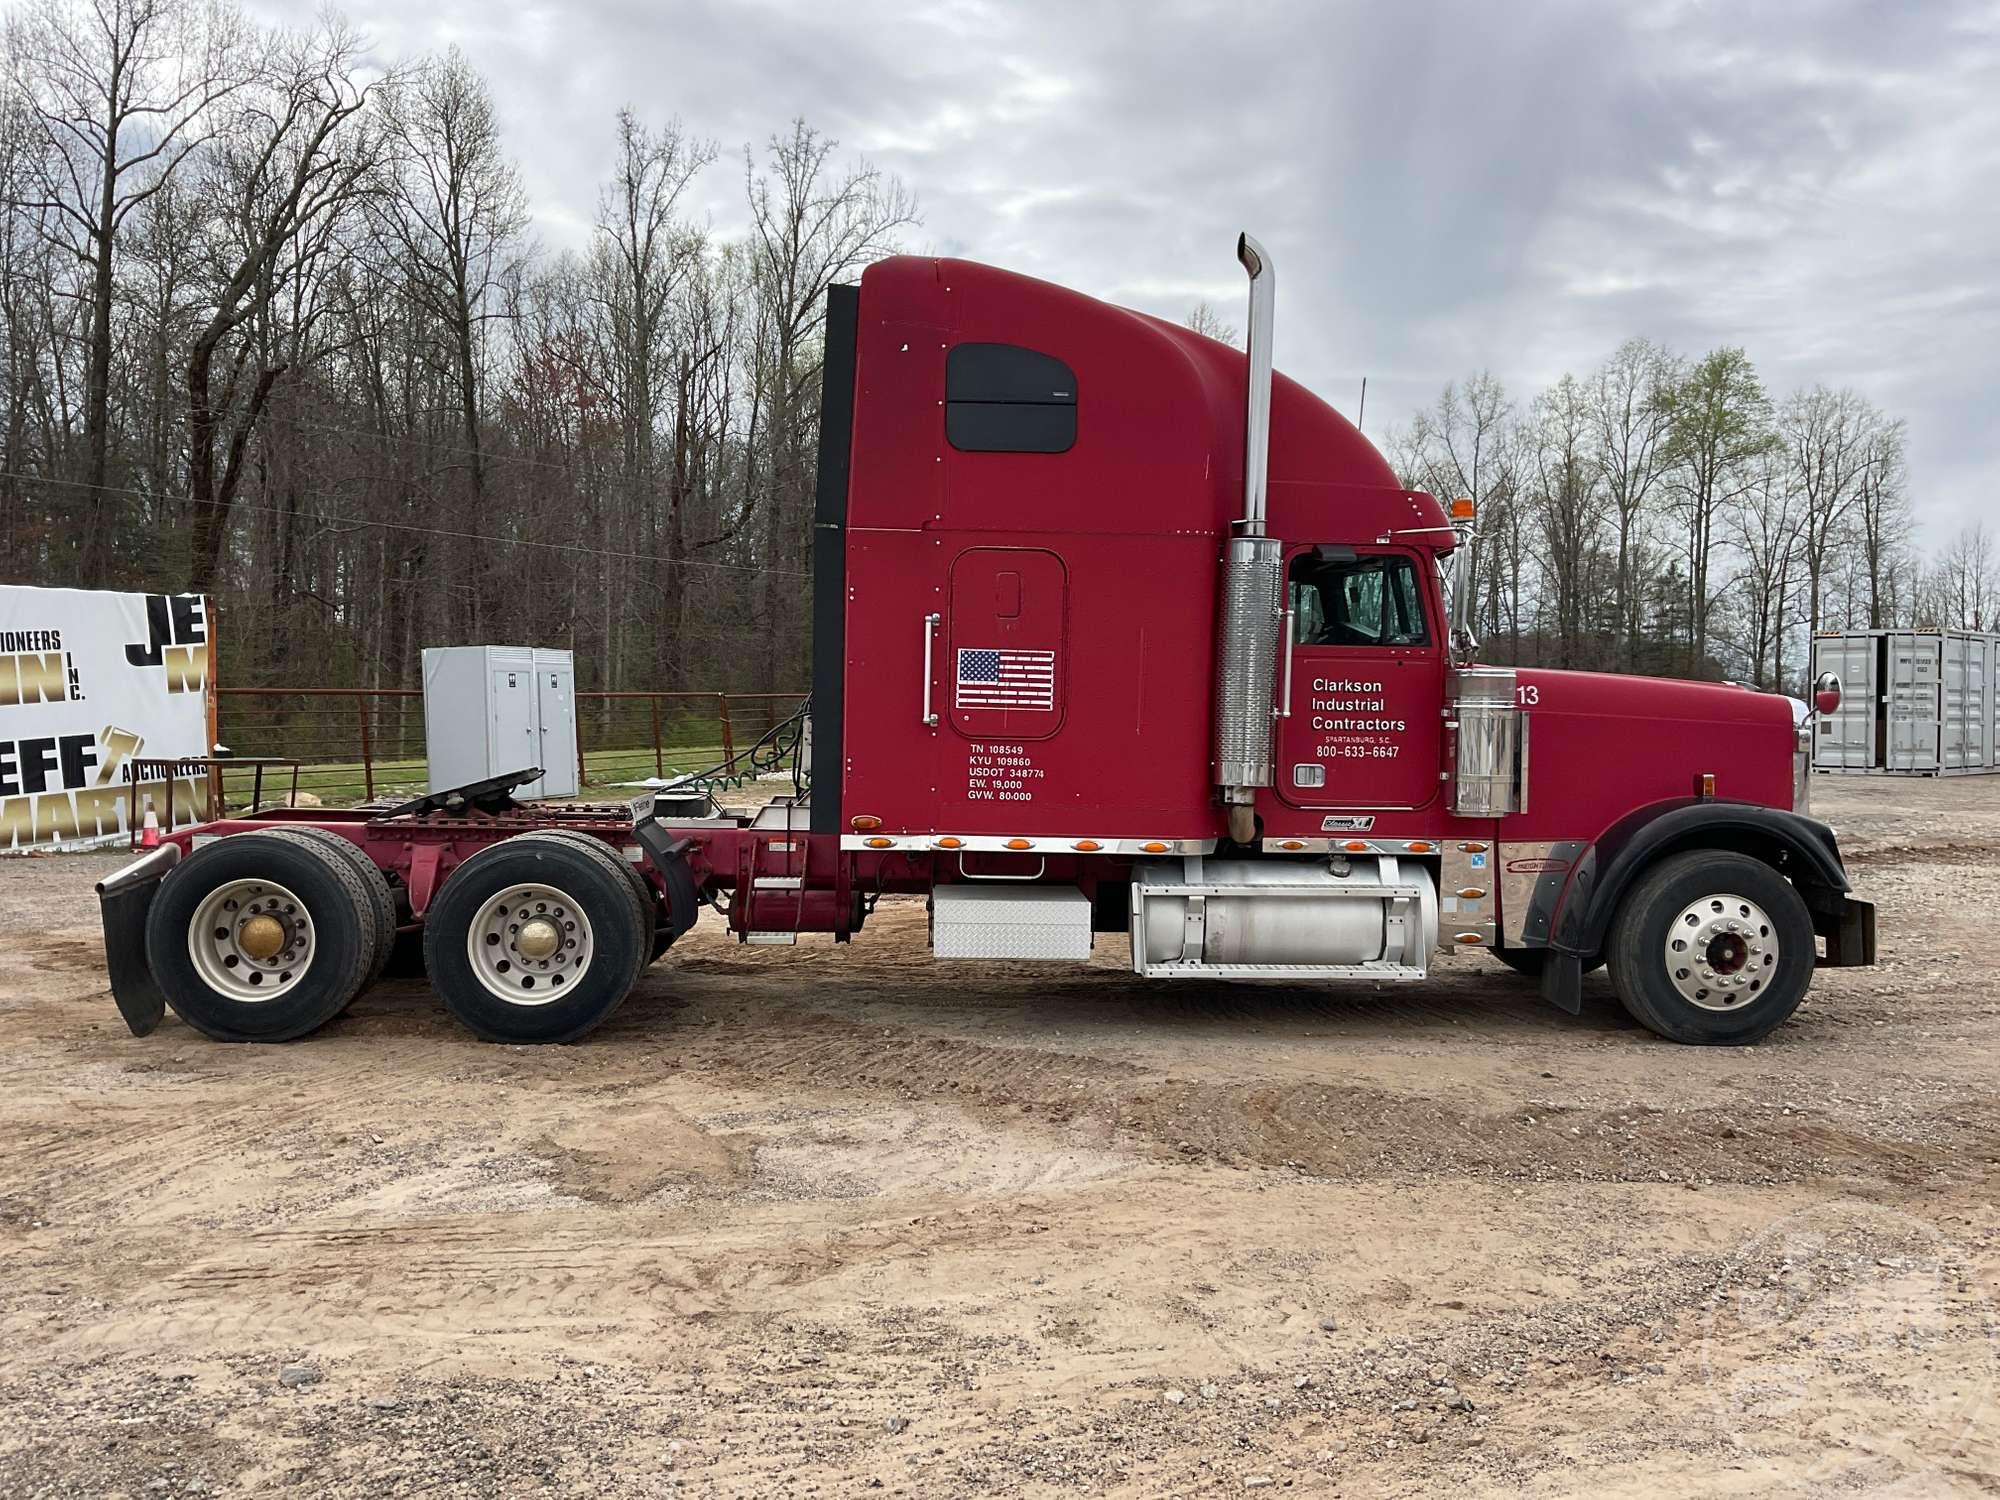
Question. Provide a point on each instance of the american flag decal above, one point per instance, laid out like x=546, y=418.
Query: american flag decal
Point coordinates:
x=998, y=678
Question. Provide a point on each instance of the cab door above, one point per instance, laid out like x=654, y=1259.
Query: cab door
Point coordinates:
x=1362, y=681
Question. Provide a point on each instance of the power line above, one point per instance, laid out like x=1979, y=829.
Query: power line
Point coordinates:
x=408, y=526
x=434, y=445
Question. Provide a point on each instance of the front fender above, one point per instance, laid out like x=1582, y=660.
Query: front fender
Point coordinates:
x=1802, y=849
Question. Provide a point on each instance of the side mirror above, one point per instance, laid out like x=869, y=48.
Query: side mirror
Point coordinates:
x=1826, y=692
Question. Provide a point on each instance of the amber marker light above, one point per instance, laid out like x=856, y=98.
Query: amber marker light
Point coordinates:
x=862, y=823
x=880, y=843
x=1467, y=939
x=950, y=843
x=1086, y=846
x=1290, y=844
x=1020, y=843
x=1420, y=846
x=1154, y=846
x=1472, y=848
x=1356, y=846
x=1471, y=893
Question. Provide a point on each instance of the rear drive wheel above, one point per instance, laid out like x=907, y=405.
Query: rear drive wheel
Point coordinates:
x=658, y=934
x=379, y=895
x=1712, y=948
x=536, y=939
x=261, y=937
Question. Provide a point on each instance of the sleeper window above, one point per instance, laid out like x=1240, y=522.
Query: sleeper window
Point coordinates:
x=1001, y=398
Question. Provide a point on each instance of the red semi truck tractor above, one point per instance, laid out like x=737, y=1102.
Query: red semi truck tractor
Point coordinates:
x=1114, y=632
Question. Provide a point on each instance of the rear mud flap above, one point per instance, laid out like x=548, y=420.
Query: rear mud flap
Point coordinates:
x=123, y=900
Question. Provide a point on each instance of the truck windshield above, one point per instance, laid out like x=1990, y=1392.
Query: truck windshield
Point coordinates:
x=1362, y=601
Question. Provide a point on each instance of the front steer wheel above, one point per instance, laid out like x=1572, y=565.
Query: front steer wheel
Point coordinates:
x=261, y=937
x=1712, y=948
x=536, y=939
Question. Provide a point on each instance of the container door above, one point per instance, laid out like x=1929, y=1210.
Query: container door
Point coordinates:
x=1912, y=701
x=1360, y=728
x=555, y=707
x=1962, y=739
x=513, y=743
x=1845, y=739
x=1993, y=701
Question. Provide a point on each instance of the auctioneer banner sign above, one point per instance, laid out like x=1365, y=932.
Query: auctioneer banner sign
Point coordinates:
x=91, y=682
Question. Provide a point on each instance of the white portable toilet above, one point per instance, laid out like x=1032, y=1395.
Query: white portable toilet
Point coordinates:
x=489, y=710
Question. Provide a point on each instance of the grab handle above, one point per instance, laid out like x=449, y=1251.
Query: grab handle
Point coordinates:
x=1285, y=696
x=931, y=623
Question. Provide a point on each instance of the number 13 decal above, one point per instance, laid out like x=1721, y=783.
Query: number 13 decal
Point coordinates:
x=1526, y=694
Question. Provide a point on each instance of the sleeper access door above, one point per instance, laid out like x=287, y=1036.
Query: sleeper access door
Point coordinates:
x=1002, y=686
x=1361, y=680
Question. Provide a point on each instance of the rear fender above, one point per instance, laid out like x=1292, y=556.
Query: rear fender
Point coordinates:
x=124, y=897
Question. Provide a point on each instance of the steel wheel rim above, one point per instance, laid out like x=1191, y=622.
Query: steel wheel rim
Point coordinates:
x=251, y=941
x=1721, y=952
x=507, y=944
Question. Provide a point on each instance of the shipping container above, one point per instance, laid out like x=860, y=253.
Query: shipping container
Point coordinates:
x=1914, y=702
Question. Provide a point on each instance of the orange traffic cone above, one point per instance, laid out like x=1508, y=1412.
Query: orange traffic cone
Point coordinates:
x=149, y=831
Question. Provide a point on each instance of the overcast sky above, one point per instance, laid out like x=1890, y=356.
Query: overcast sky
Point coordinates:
x=1443, y=187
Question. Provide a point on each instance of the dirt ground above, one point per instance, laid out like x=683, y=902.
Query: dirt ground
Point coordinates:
x=827, y=1221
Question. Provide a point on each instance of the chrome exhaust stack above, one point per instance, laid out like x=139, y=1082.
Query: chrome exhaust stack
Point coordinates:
x=1253, y=584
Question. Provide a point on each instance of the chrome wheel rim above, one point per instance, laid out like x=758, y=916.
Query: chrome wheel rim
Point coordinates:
x=251, y=941
x=1721, y=952
x=529, y=944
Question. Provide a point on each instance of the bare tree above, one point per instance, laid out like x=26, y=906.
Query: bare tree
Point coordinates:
x=1765, y=518
x=1209, y=323
x=456, y=212
x=1630, y=406
x=811, y=224
x=124, y=92
x=1828, y=435
x=279, y=187
x=1568, y=503
x=1969, y=584
x=644, y=256
x=1882, y=511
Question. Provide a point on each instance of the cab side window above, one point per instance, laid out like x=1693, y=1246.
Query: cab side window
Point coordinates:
x=1342, y=600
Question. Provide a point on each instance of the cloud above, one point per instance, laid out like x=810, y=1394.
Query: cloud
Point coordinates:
x=1444, y=187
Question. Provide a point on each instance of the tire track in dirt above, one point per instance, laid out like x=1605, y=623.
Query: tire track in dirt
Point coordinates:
x=1336, y=1130
x=501, y=1275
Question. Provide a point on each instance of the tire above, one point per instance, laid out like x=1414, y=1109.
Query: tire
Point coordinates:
x=1748, y=958
x=658, y=934
x=381, y=898
x=512, y=993
x=1527, y=962
x=322, y=913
